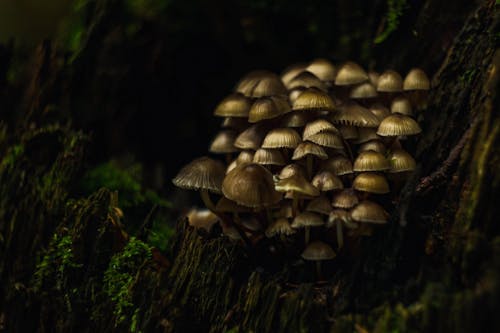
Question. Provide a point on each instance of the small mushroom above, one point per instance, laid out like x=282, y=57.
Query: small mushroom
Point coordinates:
x=345, y=199
x=369, y=212
x=371, y=161
x=338, y=218
x=251, y=138
x=313, y=99
x=327, y=139
x=349, y=74
x=307, y=79
x=327, y=181
x=354, y=114
x=268, y=108
x=291, y=170
x=371, y=182
x=308, y=150
x=235, y=105
x=338, y=164
x=268, y=157
x=260, y=83
x=318, y=251
x=307, y=220
x=223, y=143
x=380, y=111
x=280, y=227
x=202, y=219
x=401, y=105
x=298, y=186
x=295, y=119
x=320, y=205
x=318, y=126
x=281, y=138
x=397, y=125
x=323, y=69
x=374, y=145
x=390, y=82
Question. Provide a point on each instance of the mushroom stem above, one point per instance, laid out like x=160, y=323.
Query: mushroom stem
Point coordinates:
x=307, y=234
x=205, y=196
x=340, y=234
x=309, y=162
x=318, y=269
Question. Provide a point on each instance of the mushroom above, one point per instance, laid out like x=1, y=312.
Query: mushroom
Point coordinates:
x=416, y=84
x=327, y=181
x=370, y=161
x=318, y=126
x=380, y=111
x=327, y=139
x=323, y=69
x=298, y=186
x=366, y=134
x=354, y=114
x=308, y=150
x=318, y=251
x=338, y=164
x=295, y=119
x=268, y=157
x=235, y=105
x=345, y=199
x=292, y=71
x=371, y=182
x=398, y=125
x=349, y=74
x=401, y=105
x=374, y=145
x=338, y=218
x=268, y=108
x=369, y=212
x=313, y=99
x=307, y=79
x=291, y=170
x=390, y=82
x=251, y=138
x=363, y=92
x=260, y=83
x=320, y=205
x=223, y=143
x=201, y=219
x=307, y=220
x=280, y=227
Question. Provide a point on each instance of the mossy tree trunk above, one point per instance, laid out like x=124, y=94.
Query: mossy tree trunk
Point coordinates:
x=67, y=265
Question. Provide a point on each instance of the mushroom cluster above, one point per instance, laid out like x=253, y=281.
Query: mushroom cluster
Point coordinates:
x=317, y=148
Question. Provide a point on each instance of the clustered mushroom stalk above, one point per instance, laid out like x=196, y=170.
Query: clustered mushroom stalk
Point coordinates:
x=319, y=150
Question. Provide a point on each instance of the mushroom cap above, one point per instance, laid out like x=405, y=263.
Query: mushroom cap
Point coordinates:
x=292, y=71
x=371, y=161
x=371, y=182
x=224, y=205
x=203, y=173
x=268, y=157
x=306, y=79
x=309, y=148
x=317, y=250
x=345, y=199
x=295, y=119
x=281, y=138
x=397, y=124
x=323, y=69
x=234, y=123
x=201, y=218
x=416, y=79
x=318, y=126
x=320, y=205
x=280, y=226
x=223, y=143
x=373, y=77
x=297, y=184
x=401, y=161
x=380, y=111
x=260, y=83
x=327, y=139
x=338, y=214
x=307, y=219
x=250, y=185
x=338, y=164
x=294, y=93
x=232, y=165
x=390, y=81
x=267, y=108
x=363, y=90
x=313, y=99
x=235, y=105
x=245, y=156
x=350, y=73
x=348, y=132
x=366, y=134
x=369, y=212
x=401, y=105
x=290, y=170
x=355, y=115
x=327, y=181
x=251, y=138
x=374, y=145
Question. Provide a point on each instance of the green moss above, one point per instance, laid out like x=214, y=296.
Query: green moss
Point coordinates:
x=395, y=10
x=8, y=161
x=120, y=277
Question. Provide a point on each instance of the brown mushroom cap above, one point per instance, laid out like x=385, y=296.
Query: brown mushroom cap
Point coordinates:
x=380, y=111
x=281, y=138
x=279, y=227
x=401, y=105
x=401, y=161
x=202, y=173
x=292, y=71
x=290, y=170
x=350, y=73
x=363, y=91
x=373, y=77
x=313, y=99
x=371, y=182
x=294, y=93
x=235, y=105
x=320, y=205
x=416, y=79
x=348, y=132
x=366, y=134
x=317, y=250
x=245, y=156
x=250, y=185
x=327, y=181
x=224, y=205
x=295, y=119
x=318, y=126
x=355, y=115
x=397, y=124
x=223, y=142
x=268, y=108
x=327, y=139
x=338, y=214
x=201, y=218
x=345, y=199
x=260, y=83
x=338, y=164
x=371, y=161
x=390, y=81
x=369, y=212
x=307, y=219
x=306, y=79
x=268, y=157
x=323, y=69
x=375, y=145
x=298, y=184
x=251, y=138
x=308, y=148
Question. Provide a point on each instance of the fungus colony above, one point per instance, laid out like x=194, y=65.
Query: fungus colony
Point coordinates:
x=318, y=148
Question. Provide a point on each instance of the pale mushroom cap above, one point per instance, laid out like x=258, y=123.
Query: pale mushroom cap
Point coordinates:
x=235, y=105
x=245, y=156
x=294, y=93
x=355, y=115
x=290, y=170
x=379, y=111
x=232, y=165
x=390, y=81
x=292, y=71
x=201, y=218
x=309, y=148
x=317, y=250
x=363, y=90
x=369, y=212
x=327, y=181
x=318, y=126
x=250, y=185
x=295, y=119
x=350, y=73
x=323, y=69
x=375, y=145
x=401, y=161
x=345, y=199
x=327, y=139
x=306, y=79
x=297, y=184
x=401, y=105
x=307, y=219
x=313, y=99
x=338, y=214
x=320, y=205
x=280, y=226
x=397, y=124
x=202, y=173
x=268, y=108
x=251, y=138
x=281, y=138
x=371, y=161
x=373, y=77
x=268, y=157
x=416, y=79
x=371, y=182
x=261, y=83
x=339, y=165
x=223, y=142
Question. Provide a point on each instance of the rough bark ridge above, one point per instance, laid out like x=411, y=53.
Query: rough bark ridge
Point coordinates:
x=68, y=266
